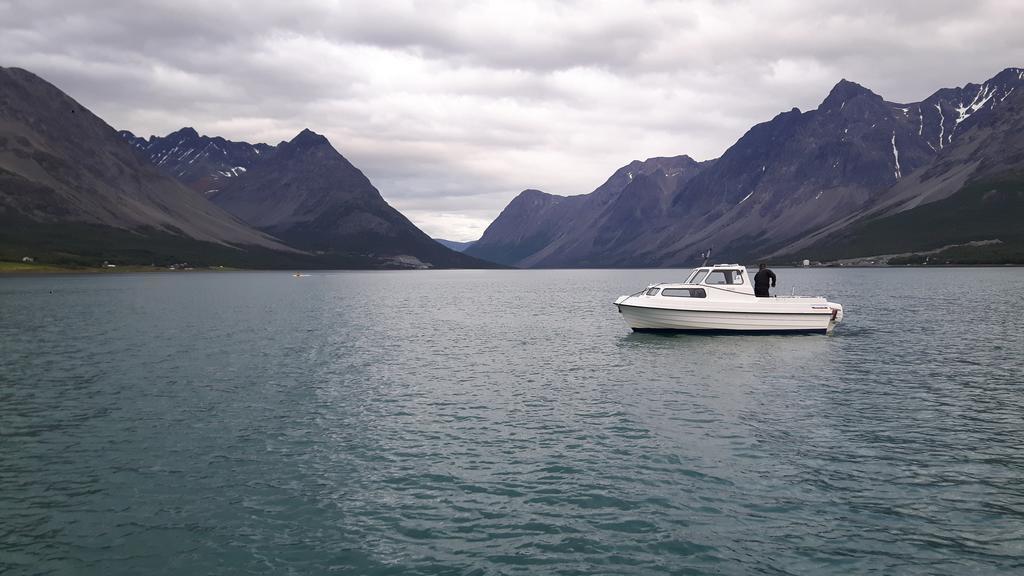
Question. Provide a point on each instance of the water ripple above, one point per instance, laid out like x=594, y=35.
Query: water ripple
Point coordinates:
x=503, y=422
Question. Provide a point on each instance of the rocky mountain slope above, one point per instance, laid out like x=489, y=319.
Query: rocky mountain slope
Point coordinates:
x=538, y=229
x=70, y=186
x=966, y=206
x=530, y=222
x=302, y=191
x=200, y=162
x=454, y=245
x=306, y=193
x=75, y=191
x=784, y=186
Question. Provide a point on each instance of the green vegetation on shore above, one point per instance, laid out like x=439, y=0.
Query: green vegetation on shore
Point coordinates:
x=71, y=246
x=16, y=268
x=981, y=211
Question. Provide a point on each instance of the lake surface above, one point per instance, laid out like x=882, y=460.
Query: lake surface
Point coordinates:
x=505, y=422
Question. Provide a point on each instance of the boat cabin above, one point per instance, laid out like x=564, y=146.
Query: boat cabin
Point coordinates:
x=720, y=279
x=719, y=275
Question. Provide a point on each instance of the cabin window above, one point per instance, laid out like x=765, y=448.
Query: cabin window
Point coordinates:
x=724, y=277
x=652, y=292
x=685, y=292
x=698, y=276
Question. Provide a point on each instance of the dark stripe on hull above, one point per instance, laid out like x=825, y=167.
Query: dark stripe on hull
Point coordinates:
x=714, y=331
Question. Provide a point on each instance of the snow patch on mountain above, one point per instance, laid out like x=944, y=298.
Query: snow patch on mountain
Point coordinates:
x=983, y=96
x=896, y=156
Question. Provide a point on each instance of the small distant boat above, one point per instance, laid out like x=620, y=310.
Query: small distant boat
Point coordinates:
x=720, y=298
x=298, y=275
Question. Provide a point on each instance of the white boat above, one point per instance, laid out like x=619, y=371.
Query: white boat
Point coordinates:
x=720, y=298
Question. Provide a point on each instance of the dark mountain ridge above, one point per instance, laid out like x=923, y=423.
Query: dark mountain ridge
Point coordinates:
x=302, y=191
x=536, y=224
x=75, y=191
x=454, y=244
x=69, y=184
x=785, y=181
x=200, y=162
x=966, y=205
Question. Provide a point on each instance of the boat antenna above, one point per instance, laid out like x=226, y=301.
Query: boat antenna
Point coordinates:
x=706, y=255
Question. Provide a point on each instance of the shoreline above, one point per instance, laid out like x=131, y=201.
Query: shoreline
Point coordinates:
x=9, y=271
x=24, y=269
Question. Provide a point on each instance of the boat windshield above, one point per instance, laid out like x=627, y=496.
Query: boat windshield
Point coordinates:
x=697, y=276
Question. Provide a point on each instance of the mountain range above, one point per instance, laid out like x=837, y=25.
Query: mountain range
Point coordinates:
x=941, y=180
x=858, y=176
x=200, y=162
x=302, y=191
x=454, y=244
x=75, y=191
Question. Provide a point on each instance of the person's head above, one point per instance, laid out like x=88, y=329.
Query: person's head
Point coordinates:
x=762, y=266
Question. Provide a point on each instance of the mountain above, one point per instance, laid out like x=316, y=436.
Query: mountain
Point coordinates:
x=71, y=190
x=791, y=175
x=966, y=206
x=307, y=194
x=200, y=162
x=302, y=191
x=538, y=229
x=620, y=211
x=784, y=186
x=454, y=245
x=529, y=223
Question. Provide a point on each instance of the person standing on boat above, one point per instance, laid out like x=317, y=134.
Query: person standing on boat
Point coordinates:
x=761, y=280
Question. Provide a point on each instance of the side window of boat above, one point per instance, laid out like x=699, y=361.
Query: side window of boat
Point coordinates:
x=718, y=277
x=652, y=292
x=685, y=292
x=724, y=277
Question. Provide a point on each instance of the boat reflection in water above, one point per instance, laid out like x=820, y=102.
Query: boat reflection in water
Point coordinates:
x=720, y=298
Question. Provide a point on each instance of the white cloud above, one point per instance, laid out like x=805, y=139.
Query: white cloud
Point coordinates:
x=452, y=108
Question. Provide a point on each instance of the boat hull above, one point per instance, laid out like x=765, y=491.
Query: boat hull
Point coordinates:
x=730, y=331
x=652, y=319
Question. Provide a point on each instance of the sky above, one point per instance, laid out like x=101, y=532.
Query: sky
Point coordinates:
x=452, y=108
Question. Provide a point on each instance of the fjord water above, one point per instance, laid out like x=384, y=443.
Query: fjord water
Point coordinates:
x=505, y=422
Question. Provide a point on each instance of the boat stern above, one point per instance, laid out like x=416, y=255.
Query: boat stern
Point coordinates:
x=837, y=315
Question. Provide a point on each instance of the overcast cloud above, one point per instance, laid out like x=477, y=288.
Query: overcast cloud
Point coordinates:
x=451, y=108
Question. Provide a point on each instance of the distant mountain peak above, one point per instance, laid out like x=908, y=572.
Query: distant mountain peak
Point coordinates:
x=534, y=197
x=307, y=138
x=186, y=132
x=1009, y=75
x=843, y=92
x=458, y=246
x=681, y=157
x=534, y=192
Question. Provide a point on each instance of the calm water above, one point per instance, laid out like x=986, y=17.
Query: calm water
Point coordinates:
x=505, y=422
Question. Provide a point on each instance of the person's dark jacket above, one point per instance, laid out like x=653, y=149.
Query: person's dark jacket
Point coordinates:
x=761, y=281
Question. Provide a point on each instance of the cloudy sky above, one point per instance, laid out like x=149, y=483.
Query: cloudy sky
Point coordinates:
x=451, y=108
